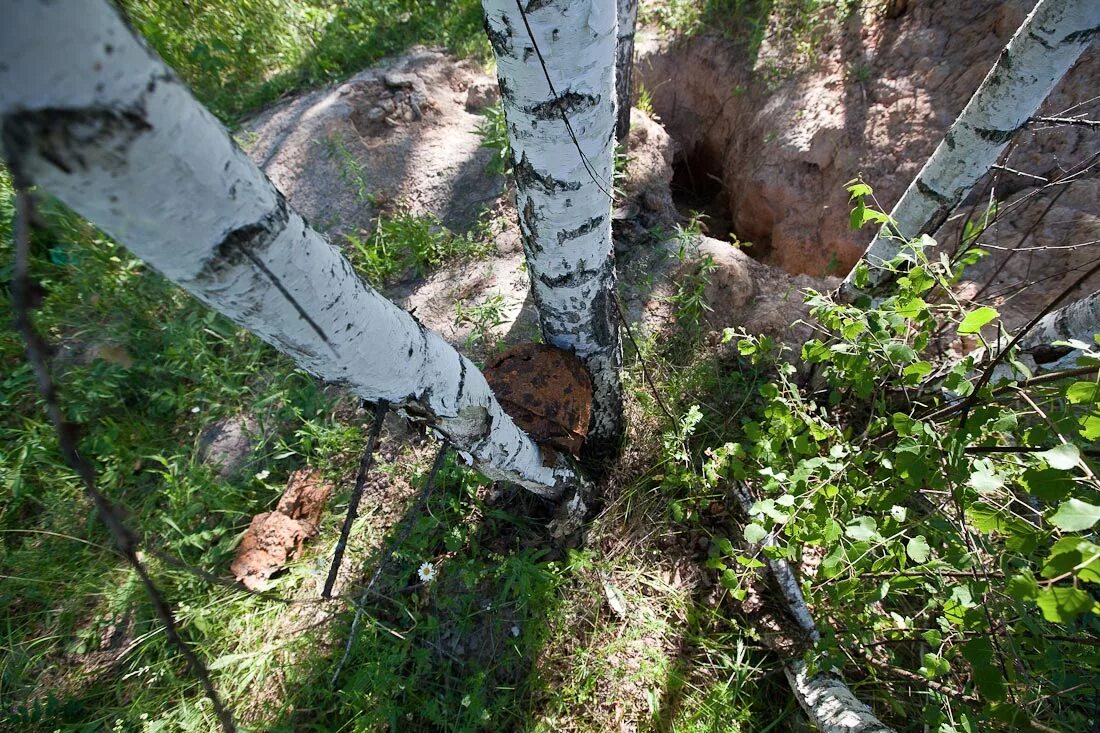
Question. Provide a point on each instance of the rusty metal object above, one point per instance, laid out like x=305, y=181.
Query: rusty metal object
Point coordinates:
x=547, y=391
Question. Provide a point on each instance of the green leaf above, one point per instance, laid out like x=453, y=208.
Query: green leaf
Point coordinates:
x=986, y=674
x=1063, y=457
x=1061, y=604
x=857, y=188
x=1090, y=426
x=1083, y=392
x=754, y=533
x=976, y=319
x=918, y=550
x=984, y=479
x=902, y=353
x=1047, y=484
x=1073, y=555
x=1023, y=587
x=863, y=529
x=1075, y=515
x=934, y=666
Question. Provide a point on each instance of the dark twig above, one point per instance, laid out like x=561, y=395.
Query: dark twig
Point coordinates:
x=360, y=605
x=125, y=539
x=356, y=496
x=641, y=360
x=988, y=373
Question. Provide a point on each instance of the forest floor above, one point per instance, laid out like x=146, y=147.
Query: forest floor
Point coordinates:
x=751, y=118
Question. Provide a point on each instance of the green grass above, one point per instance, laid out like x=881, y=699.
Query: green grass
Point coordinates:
x=242, y=55
x=642, y=627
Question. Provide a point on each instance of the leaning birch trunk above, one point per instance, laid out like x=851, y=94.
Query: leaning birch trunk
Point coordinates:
x=555, y=65
x=1078, y=321
x=823, y=696
x=624, y=66
x=1046, y=45
x=95, y=118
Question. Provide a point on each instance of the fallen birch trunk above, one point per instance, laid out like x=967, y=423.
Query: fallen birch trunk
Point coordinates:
x=95, y=118
x=824, y=697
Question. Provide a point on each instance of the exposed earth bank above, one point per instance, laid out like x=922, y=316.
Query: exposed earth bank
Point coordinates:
x=764, y=155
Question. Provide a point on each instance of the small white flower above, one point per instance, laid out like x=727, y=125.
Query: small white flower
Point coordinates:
x=195, y=409
x=426, y=572
x=515, y=631
x=263, y=474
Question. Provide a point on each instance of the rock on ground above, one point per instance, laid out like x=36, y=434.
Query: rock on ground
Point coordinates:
x=228, y=445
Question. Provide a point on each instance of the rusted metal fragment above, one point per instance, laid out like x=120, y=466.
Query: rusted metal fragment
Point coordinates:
x=547, y=391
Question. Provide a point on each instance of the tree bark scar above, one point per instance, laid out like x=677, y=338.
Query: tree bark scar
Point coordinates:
x=566, y=103
x=534, y=5
x=501, y=41
x=932, y=193
x=1081, y=37
x=461, y=379
x=64, y=137
x=994, y=136
x=603, y=321
x=569, y=279
x=568, y=234
x=527, y=177
x=530, y=228
x=1040, y=40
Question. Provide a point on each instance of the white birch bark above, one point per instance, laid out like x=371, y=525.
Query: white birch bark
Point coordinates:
x=95, y=118
x=1044, y=47
x=1079, y=321
x=555, y=65
x=624, y=66
x=823, y=696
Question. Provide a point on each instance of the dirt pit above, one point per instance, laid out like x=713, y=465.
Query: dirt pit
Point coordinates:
x=765, y=156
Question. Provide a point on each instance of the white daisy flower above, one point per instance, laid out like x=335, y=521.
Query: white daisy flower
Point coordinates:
x=426, y=572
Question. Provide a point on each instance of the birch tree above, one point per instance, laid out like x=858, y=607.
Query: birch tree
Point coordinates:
x=624, y=66
x=111, y=131
x=1046, y=45
x=1078, y=321
x=556, y=65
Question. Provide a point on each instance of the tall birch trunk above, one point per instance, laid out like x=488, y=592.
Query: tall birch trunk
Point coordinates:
x=624, y=66
x=94, y=117
x=555, y=66
x=1078, y=321
x=1043, y=49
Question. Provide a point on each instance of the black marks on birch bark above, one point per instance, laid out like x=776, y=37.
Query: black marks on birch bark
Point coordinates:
x=500, y=40
x=461, y=379
x=944, y=206
x=570, y=279
x=533, y=5
x=1040, y=40
x=932, y=193
x=568, y=234
x=528, y=178
x=1081, y=37
x=530, y=227
x=253, y=238
x=568, y=103
x=68, y=138
x=994, y=136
